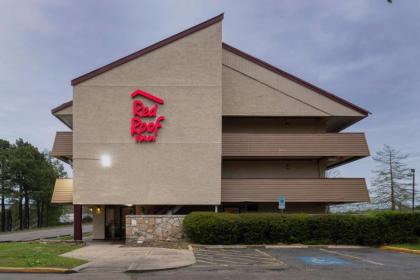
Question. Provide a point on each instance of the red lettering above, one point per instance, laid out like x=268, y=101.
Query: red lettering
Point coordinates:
x=140, y=111
x=145, y=138
x=158, y=125
x=150, y=127
x=137, y=108
x=153, y=111
x=135, y=123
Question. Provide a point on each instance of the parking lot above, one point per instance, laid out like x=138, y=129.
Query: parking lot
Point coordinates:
x=308, y=263
x=273, y=263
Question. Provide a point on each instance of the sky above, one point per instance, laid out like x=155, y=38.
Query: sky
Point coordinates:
x=364, y=51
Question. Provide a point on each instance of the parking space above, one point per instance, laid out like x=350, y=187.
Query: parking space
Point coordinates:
x=235, y=257
x=319, y=263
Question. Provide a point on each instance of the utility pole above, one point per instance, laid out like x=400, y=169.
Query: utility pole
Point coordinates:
x=413, y=173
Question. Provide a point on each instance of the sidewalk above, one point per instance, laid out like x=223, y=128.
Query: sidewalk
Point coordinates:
x=35, y=234
x=104, y=256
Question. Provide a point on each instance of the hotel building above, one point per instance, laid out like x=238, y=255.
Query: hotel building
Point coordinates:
x=192, y=123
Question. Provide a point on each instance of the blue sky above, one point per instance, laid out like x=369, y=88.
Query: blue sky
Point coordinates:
x=365, y=51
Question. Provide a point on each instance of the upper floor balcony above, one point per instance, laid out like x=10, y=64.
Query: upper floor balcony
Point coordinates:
x=319, y=190
x=63, y=146
x=336, y=148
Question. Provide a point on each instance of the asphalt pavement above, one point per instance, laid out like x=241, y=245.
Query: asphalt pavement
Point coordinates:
x=35, y=234
x=285, y=263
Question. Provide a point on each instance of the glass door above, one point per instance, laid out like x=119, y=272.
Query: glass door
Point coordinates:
x=115, y=221
x=112, y=222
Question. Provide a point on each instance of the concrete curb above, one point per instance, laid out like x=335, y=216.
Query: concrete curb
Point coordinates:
x=34, y=270
x=401, y=250
x=132, y=268
x=80, y=267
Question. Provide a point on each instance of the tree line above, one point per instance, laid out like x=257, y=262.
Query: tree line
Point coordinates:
x=27, y=178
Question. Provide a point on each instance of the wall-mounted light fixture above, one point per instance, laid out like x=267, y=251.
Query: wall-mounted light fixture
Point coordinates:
x=105, y=160
x=98, y=210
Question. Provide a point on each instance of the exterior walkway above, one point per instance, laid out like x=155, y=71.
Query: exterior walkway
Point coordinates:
x=34, y=234
x=105, y=256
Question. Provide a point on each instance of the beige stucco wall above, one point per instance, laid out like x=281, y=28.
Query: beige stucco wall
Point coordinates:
x=183, y=166
x=251, y=90
x=98, y=223
x=273, y=169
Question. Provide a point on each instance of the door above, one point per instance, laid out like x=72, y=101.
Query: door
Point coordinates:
x=115, y=221
x=112, y=222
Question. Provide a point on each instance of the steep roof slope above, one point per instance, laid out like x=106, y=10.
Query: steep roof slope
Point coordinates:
x=146, y=50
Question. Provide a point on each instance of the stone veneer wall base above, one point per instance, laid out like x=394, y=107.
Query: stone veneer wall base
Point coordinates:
x=141, y=228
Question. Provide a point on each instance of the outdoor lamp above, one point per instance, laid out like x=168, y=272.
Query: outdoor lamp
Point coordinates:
x=105, y=160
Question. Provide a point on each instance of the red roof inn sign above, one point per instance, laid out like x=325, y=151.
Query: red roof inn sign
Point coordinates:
x=145, y=123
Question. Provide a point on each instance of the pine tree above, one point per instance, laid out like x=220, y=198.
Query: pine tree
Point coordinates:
x=390, y=184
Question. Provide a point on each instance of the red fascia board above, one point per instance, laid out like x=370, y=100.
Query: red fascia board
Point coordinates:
x=294, y=78
x=146, y=50
x=62, y=106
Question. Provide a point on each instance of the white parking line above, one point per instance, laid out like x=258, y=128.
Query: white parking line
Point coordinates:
x=270, y=256
x=204, y=261
x=238, y=255
x=352, y=257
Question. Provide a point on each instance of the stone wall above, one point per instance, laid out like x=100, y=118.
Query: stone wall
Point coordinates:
x=140, y=228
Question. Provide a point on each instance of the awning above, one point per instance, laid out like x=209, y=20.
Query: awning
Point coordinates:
x=63, y=191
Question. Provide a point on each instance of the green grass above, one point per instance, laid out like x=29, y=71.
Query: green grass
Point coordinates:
x=407, y=246
x=36, y=254
x=69, y=237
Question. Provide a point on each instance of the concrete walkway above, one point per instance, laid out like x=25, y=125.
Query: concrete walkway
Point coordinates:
x=34, y=234
x=104, y=256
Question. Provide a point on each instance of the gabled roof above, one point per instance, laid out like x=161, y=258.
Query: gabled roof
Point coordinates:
x=225, y=46
x=294, y=78
x=62, y=107
x=149, y=49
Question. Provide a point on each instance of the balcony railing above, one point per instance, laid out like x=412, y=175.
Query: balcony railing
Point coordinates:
x=63, y=146
x=294, y=145
x=63, y=191
x=334, y=190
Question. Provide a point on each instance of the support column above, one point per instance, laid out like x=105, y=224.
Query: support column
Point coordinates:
x=77, y=222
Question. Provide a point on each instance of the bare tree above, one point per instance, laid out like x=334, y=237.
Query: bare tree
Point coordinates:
x=390, y=184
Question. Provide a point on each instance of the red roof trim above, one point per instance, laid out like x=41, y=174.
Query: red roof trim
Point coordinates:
x=62, y=106
x=144, y=51
x=147, y=95
x=294, y=78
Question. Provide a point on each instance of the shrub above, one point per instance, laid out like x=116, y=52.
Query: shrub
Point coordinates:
x=258, y=228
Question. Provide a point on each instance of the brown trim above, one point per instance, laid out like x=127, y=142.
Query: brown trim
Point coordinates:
x=77, y=226
x=294, y=78
x=144, y=51
x=62, y=106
